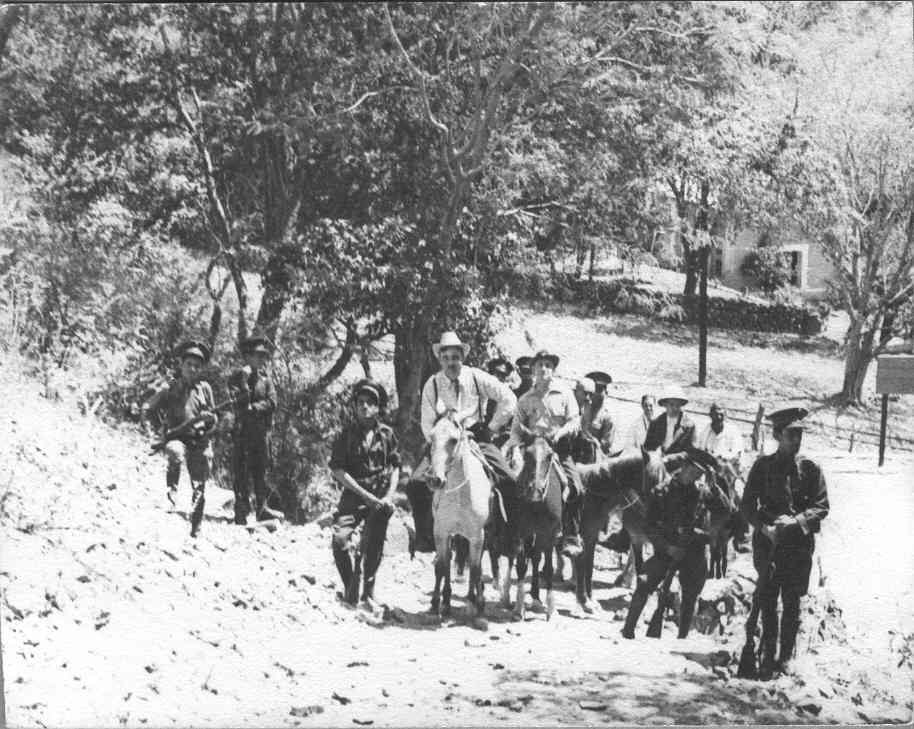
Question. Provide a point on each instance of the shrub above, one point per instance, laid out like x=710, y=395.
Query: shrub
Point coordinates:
x=768, y=266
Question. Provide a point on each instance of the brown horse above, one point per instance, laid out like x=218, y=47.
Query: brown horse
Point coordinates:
x=538, y=524
x=620, y=483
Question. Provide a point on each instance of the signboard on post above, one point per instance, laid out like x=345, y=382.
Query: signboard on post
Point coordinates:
x=894, y=376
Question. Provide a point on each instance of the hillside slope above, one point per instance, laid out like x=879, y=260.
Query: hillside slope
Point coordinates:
x=112, y=615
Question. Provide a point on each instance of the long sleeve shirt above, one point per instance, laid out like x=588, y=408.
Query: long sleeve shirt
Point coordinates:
x=779, y=485
x=367, y=454
x=543, y=411
x=468, y=395
x=180, y=402
x=598, y=423
x=255, y=388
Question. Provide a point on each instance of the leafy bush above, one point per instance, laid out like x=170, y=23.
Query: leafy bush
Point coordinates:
x=768, y=266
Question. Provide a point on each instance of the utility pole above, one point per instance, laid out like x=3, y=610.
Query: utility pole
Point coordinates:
x=703, y=256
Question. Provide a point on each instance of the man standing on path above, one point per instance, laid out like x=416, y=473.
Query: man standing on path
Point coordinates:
x=550, y=409
x=785, y=501
x=185, y=399
x=672, y=431
x=255, y=401
x=366, y=463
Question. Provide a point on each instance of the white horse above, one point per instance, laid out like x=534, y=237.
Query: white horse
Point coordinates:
x=460, y=506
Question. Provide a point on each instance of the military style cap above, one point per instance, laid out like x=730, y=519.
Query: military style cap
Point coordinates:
x=255, y=344
x=587, y=385
x=193, y=348
x=546, y=355
x=500, y=367
x=373, y=388
x=524, y=364
x=787, y=416
x=601, y=379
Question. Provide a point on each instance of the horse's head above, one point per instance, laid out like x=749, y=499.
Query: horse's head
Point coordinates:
x=655, y=470
x=534, y=475
x=447, y=434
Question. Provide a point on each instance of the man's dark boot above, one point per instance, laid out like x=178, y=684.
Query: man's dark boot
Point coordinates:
x=343, y=566
x=790, y=625
x=639, y=600
x=196, y=516
x=767, y=665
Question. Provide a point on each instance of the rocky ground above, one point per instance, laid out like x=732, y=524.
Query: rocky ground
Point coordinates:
x=112, y=615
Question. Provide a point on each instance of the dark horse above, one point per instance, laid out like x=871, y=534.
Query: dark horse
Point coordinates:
x=621, y=483
x=538, y=524
x=724, y=516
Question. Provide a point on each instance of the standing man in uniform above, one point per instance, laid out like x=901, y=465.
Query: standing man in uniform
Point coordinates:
x=672, y=431
x=550, y=408
x=785, y=501
x=525, y=372
x=187, y=398
x=366, y=462
x=677, y=519
x=638, y=432
x=255, y=401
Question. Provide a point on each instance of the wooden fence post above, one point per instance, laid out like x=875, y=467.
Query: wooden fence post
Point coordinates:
x=757, y=438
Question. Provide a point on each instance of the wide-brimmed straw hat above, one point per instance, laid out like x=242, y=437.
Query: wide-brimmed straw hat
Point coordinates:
x=672, y=393
x=448, y=340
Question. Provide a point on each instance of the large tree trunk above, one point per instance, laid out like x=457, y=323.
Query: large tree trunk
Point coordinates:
x=278, y=287
x=412, y=366
x=857, y=358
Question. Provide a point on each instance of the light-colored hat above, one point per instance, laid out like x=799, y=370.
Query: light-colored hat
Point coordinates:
x=672, y=392
x=450, y=339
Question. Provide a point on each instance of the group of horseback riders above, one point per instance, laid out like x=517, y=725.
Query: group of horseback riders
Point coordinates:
x=784, y=499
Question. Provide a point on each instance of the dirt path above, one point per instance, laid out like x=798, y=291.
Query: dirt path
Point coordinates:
x=113, y=616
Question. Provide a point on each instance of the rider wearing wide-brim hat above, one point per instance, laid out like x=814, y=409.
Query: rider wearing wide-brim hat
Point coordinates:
x=255, y=399
x=785, y=501
x=466, y=390
x=672, y=431
x=550, y=409
x=188, y=396
x=365, y=461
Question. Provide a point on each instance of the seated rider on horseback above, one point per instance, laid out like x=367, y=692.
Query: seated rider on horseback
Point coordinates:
x=550, y=409
x=463, y=389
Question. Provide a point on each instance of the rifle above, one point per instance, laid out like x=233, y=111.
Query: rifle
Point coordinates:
x=748, y=665
x=188, y=425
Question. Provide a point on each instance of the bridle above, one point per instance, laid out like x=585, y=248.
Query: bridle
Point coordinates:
x=540, y=492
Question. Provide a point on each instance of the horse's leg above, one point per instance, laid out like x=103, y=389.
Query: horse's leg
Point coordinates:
x=475, y=597
x=535, y=578
x=443, y=564
x=439, y=576
x=550, y=597
x=559, y=563
x=519, y=607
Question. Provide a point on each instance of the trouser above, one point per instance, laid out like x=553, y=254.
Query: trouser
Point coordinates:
x=692, y=569
x=420, y=499
x=571, y=510
x=250, y=460
x=198, y=456
x=789, y=581
x=371, y=547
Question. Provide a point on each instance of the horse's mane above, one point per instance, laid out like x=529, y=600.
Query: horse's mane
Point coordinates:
x=623, y=471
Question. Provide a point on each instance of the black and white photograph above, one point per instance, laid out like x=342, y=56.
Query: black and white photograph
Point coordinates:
x=374, y=364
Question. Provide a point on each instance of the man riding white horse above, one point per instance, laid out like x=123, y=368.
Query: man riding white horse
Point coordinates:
x=467, y=390
x=550, y=409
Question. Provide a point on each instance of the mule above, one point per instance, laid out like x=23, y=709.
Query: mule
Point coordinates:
x=539, y=522
x=460, y=506
x=619, y=483
x=724, y=513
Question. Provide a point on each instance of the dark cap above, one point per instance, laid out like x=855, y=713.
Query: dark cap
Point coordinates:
x=524, y=364
x=546, y=355
x=255, y=344
x=785, y=417
x=373, y=388
x=499, y=367
x=601, y=379
x=193, y=348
